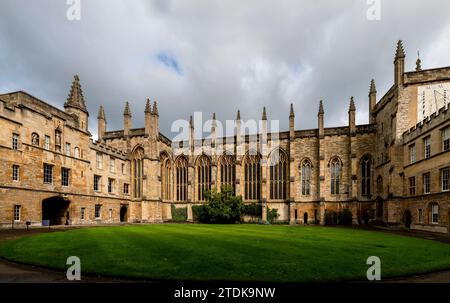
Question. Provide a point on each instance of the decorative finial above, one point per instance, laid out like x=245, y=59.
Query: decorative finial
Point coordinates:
x=214, y=116
x=191, y=122
x=238, y=116
x=148, y=109
x=373, y=89
x=400, y=53
x=321, y=111
x=155, y=108
x=352, y=104
x=291, y=114
x=76, y=98
x=101, y=113
x=418, y=63
x=127, y=111
x=264, y=114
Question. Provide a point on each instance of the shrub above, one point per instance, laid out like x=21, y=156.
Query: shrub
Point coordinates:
x=345, y=217
x=223, y=207
x=330, y=217
x=253, y=210
x=200, y=214
x=179, y=214
x=272, y=214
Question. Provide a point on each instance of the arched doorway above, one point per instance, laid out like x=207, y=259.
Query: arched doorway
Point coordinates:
x=55, y=211
x=407, y=218
x=305, y=218
x=123, y=213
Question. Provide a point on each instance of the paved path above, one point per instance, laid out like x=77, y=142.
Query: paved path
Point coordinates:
x=17, y=273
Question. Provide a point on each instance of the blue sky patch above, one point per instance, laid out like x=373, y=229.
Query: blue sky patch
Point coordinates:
x=169, y=61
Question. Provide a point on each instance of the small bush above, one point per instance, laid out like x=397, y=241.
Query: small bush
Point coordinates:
x=200, y=214
x=179, y=214
x=345, y=217
x=223, y=207
x=331, y=218
x=272, y=214
x=253, y=210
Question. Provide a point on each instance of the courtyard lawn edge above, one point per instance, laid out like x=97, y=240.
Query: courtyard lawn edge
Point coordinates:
x=229, y=252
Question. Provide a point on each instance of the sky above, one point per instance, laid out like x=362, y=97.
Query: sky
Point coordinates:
x=217, y=56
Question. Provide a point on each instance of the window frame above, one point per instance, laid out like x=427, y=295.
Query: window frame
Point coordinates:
x=427, y=147
x=15, y=144
x=434, y=215
x=111, y=185
x=47, y=141
x=446, y=139
x=97, y=183
x=17, y=213
x=426, y=183
x=98, y=212
x=112, y=165
x=445, y=182
x=412, y=153
x=65, y=177
x=335, y=175
x=412, y=186
x=68, y=149
x=48, y=173
x=99, y=160
x=305, y=177
x=15, y=173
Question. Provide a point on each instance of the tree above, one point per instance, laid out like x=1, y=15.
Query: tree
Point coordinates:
x=220, y=207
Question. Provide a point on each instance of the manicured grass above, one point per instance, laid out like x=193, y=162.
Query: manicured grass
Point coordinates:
x=230, y=252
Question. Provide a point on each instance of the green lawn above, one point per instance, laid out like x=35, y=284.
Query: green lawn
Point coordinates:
x=230, y=252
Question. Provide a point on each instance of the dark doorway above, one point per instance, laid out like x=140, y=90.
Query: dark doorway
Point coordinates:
x=295, y=215
x=380, y=208
x=55, y=211
x=305, y=218
x=407, y=219
x=123, y=213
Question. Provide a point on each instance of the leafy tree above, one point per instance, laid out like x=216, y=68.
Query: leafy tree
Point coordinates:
x=220, y=207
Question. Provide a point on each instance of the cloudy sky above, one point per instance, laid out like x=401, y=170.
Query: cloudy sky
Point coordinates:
x=217, y=56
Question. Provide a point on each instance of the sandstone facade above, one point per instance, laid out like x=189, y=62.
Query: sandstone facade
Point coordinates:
x=54, y=173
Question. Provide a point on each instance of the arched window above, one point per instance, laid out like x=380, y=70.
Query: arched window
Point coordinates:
x=181, y=168
x=76, y=152
x=228, y=172
x=137, y=167
x=203, y=176
x=35, y=139
x=366, y=176
x=166, y=178
x=335, y=172
x=278, y=175
x=306, y=177
x=252, y=177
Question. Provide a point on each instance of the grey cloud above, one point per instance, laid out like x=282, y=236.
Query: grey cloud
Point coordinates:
x=233, y=54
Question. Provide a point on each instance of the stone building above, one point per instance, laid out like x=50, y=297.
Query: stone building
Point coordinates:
x=393, y=170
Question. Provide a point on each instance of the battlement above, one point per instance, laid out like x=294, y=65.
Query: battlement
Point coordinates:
x=106, y=149
x=427, y=124
x=428, y=75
